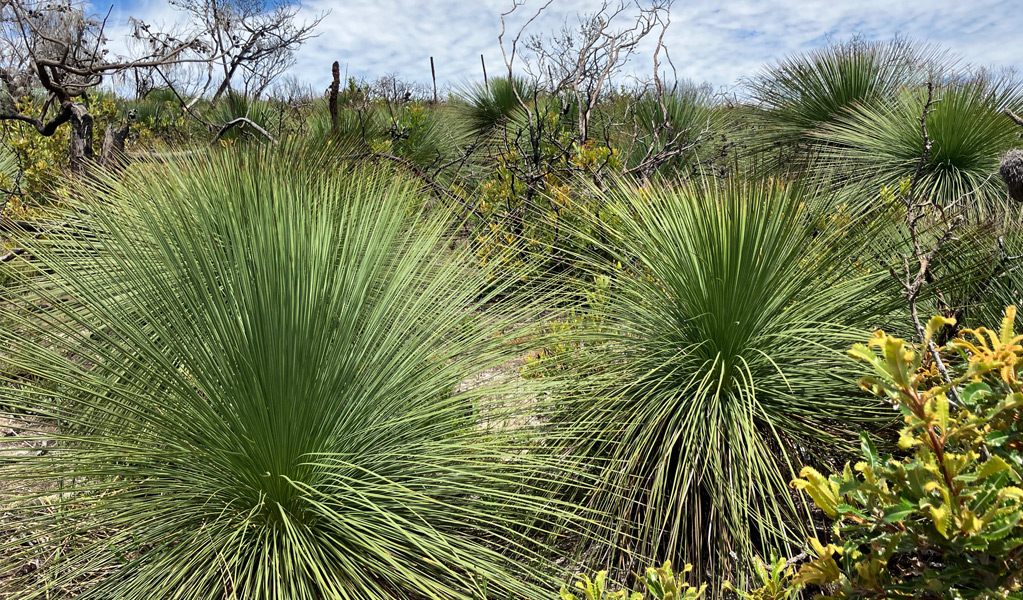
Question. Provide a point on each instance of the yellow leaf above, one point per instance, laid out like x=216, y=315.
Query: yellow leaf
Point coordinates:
x=934, y=325
x=941, y=408
x=822, y=570
x=823, y=492
x=994, y=465
x=1007, y=324
x=941, y=517
x=1011, y=492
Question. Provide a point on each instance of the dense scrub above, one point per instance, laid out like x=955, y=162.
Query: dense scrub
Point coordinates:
x=246, y=362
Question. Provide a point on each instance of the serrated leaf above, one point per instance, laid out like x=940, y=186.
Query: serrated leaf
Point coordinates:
x=899, y=512
x=822, y=570
x=848, y=487
x=970, y=392
x=869, y=450
x=977, y=543
x=996, y=439
x=846, y=509
x=1011, y=492
x=933, y=325
x=942, y=518
x=994, y=465
x=1002, y=526
x=823, y=492
x=1010, y=544
x=990, y=491
x=941, y=409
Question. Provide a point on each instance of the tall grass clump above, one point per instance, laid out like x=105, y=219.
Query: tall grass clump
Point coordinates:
x=235, y=106
x=803, y=92
x=357, y=128
x=685, y=118
x=246, y=371
x=716, y=368
x=483, y=109
x=883, y=144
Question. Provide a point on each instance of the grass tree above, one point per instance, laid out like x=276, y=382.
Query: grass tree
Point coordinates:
x=671, y=132
x=483, y=110
x=247, y=374
x=716, y=366
x=803, y=92
x=949, y=136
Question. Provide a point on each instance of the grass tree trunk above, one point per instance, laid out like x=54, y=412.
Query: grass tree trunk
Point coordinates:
x=335, y=85
x=1011, y=170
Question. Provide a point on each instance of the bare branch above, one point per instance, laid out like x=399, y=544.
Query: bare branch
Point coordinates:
x=242, y=121
x=1016, y=118
x=917, y=276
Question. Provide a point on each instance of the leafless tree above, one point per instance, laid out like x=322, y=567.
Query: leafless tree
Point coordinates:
x=929, y=227
x=583, y=60
x=56, y=45
x=394, y=90
x=251, y=39
x=577, y=68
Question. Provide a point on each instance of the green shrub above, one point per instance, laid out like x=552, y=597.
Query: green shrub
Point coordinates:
x=160, y=117
x=358, y=129
x=775, y=579
x=40, y=160
x=658, y=583
x=39, y=166
x=532, y=228
x=943, y=519
x=414, y=132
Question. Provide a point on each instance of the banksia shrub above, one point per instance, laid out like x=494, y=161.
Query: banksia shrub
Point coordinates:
x=658, y=583
x=945, y=518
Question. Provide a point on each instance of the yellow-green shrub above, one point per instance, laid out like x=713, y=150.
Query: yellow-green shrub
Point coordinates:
x=945, y=519
x=941, y=520
x=658, y=583
x=552, y=216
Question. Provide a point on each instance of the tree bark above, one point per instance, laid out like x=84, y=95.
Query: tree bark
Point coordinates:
x=112, y=154
x=335, y=85
x=80, y=148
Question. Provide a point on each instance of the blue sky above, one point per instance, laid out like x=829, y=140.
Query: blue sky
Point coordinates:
x=710, y=41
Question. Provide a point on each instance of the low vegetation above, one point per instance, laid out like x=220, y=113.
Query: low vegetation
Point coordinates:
x=542, y=332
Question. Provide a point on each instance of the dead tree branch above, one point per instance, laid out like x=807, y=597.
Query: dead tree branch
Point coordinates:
x=917, y=264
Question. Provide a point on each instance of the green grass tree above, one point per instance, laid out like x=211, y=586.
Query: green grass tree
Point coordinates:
x=715, y=365
x=247, y=369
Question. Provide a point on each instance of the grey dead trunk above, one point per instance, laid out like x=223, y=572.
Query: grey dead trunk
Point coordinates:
x=112, y=155
x=80, y=148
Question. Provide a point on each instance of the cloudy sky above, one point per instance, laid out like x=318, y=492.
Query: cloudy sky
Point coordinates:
x=715, y=41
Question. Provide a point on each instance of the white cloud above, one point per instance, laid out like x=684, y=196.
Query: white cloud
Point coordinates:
x=717, y=42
